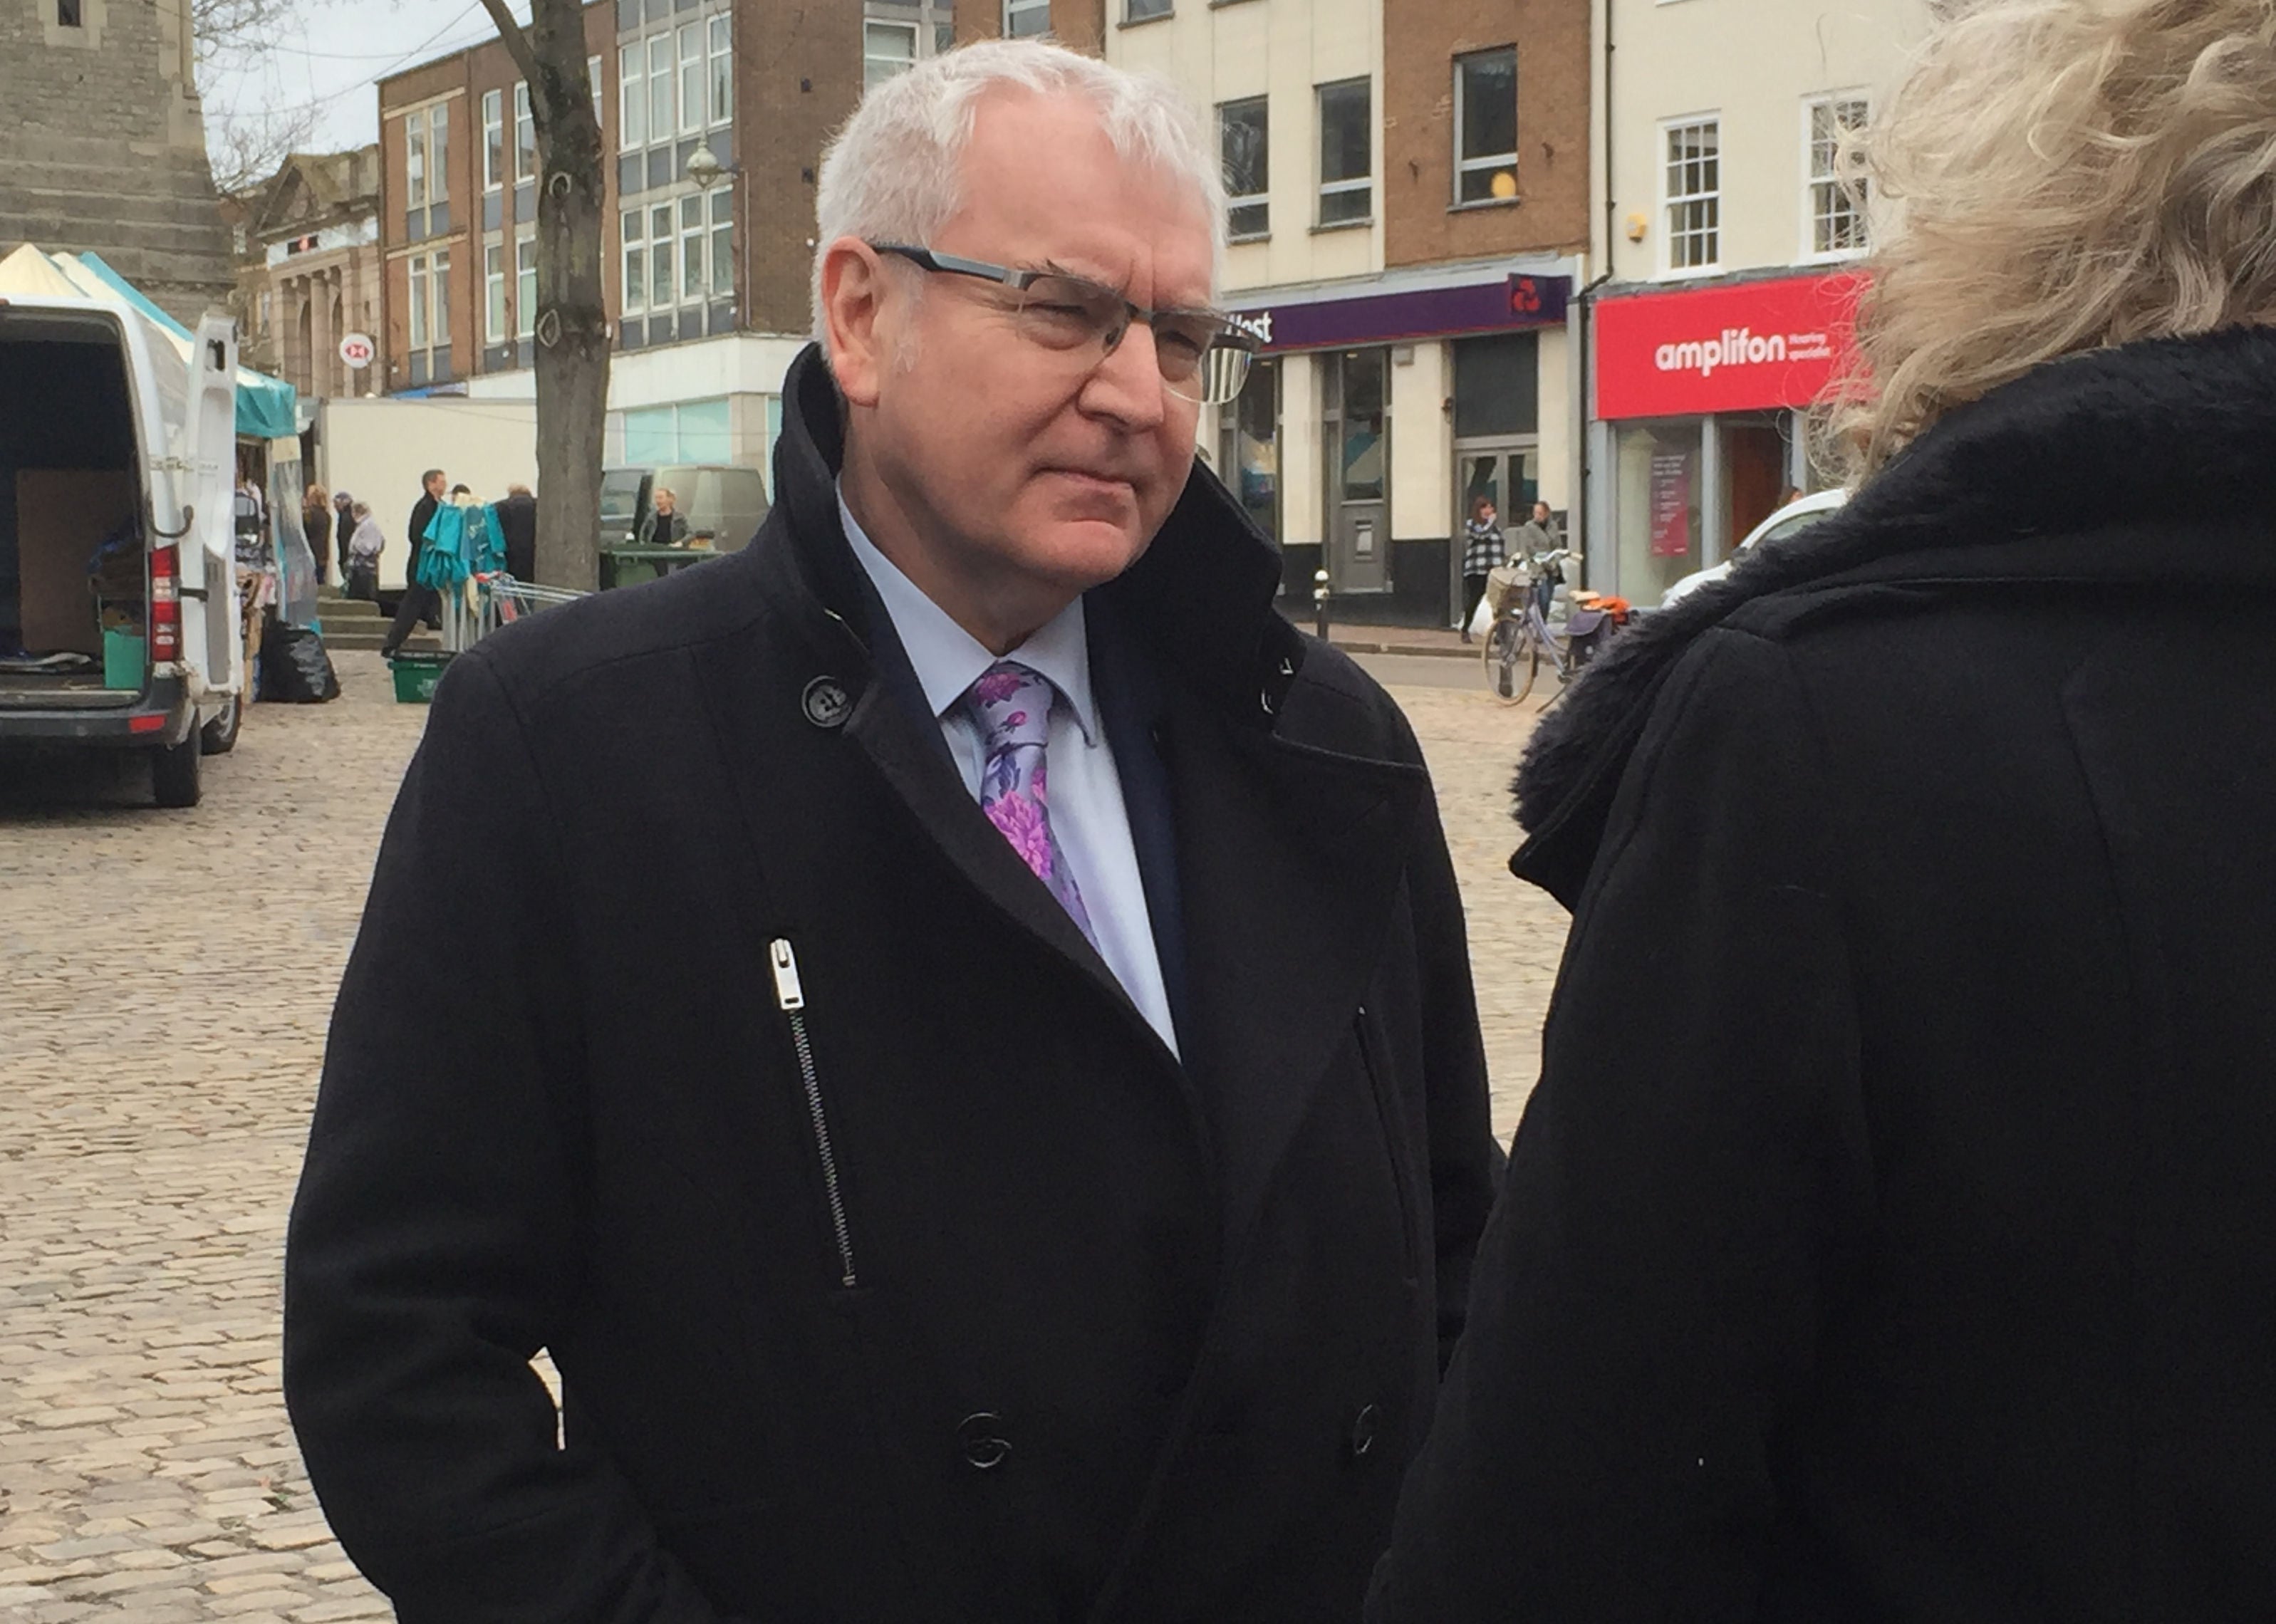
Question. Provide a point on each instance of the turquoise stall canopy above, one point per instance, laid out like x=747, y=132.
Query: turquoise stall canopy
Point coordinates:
x=267, y=408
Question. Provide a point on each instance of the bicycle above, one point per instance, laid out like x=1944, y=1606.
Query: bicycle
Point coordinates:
x=1521, y=635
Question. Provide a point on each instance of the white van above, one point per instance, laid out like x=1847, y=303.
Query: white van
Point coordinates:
x=118, y=607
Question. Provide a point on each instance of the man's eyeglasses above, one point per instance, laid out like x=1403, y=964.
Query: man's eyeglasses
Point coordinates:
x=1203, y=355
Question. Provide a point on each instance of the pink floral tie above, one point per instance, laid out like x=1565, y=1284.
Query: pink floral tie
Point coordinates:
x=1013, y=705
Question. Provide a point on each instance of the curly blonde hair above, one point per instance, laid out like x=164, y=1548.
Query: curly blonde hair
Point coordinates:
x=2071, y=174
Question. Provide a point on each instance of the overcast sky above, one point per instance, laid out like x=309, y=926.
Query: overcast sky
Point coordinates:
x=333, y=52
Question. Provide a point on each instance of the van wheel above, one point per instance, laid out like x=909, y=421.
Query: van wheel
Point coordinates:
x=174, y=772
x=220, y=734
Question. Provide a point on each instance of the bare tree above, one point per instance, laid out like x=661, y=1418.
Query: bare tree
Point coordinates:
x=245, y=150
x=573, y=325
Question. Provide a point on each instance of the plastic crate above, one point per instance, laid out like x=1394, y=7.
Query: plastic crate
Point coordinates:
x=417, y=671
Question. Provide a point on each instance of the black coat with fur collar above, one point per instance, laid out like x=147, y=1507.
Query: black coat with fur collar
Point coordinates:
x=1893, y=1233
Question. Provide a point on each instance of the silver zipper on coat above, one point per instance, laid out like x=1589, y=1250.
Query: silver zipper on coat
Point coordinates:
x=791, y=994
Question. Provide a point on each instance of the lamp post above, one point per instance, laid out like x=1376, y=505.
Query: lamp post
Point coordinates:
x=705, y=170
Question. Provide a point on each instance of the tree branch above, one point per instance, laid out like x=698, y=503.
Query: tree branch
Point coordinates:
x=517, y=42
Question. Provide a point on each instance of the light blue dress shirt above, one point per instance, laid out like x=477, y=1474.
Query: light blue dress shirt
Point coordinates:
x=1088, y=814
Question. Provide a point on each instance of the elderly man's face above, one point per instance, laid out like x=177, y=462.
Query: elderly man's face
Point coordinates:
x=1030, y=475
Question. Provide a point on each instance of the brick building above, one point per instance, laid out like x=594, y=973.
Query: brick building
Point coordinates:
x=309, y=271
x=104, y=147
x=706, y=285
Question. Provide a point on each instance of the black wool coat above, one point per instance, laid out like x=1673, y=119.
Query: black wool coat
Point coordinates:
x=946, y=1292
x=1893, y=1232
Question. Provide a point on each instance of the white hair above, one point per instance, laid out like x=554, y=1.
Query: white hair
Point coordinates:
x=894, y=173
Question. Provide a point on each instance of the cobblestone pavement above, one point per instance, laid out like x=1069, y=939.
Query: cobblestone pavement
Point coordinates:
x=165, y=979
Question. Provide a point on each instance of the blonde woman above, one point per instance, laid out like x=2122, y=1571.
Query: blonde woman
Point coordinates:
x=1893, y=1232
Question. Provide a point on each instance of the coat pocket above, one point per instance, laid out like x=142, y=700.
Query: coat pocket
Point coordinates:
x=790, y=993
x=1386, y=1116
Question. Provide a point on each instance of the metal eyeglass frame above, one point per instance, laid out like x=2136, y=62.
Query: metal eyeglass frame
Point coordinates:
x=1231, y=339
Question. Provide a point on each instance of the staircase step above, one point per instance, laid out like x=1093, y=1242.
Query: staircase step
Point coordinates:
x=370, y=641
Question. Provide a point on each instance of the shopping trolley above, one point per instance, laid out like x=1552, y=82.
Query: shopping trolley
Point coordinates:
x=491, y=599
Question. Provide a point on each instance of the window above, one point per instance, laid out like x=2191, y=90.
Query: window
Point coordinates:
x=493, y=139
x=1346, y=152
x=439, y=297
x=417, y=288
x=1141, y=11
x=659, y=257
x=593, y=74
x=1023, y=18
x=635, y=261
x=1838, y=190
x=1485, y=127
x=438, y=148
x=414, y=161
x=67, y=14
x=723, y=69
x=659, y=87
x=494, y=329
x=632, y=98
x=1695, y=196
x=525, y=284
x=887, y=50
x=723, y=243
x=692, y=78
x=1244, y=136
x=265, y=308
x=525, y=137
x=693, y=283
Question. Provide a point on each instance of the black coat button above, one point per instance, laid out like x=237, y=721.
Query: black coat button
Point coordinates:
x=982, y=1439
x=1363, y=1431
x=826, y=703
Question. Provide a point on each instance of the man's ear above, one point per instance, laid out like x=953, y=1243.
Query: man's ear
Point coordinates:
x=853, y=297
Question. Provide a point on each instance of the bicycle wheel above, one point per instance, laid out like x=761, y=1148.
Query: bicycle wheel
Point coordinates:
x=1512, y=658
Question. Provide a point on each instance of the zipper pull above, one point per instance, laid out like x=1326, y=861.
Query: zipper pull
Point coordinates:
x=788, y=992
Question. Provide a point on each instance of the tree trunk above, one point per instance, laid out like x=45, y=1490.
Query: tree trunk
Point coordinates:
x=572, y=320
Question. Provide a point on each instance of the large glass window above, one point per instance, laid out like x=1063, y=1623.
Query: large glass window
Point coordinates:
x=1694, y=194
x=525, y=283
x=1250, y=457
x=1839, y=192
x=636, y=244
x=493, y=139
x=632, y=98
x=494, y=329
x=723, y=243
x=660, y=282
x=525, y=136
x=415, y=160
x=693, y=80
x=887, y=50
x=1346, y=152
x=723, y=69
x=1658, y=507
x=440, y=299
x=1485, y=127
x=1497, y=385
x=1244, y=133
x=693, y=283
x=415, y=274
x=438, y=147
x=659, y=87
x=1363, y=392
x=1139, y=10
x=1023, y=18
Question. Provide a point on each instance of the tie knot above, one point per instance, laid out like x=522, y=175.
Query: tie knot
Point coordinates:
x=1013, y=706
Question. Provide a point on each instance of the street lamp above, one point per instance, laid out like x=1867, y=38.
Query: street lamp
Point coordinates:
x=705, y=170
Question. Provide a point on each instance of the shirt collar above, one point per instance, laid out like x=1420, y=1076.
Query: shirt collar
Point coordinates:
x=948, y=659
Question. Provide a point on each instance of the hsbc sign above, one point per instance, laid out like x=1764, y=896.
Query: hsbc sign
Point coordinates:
x=1749, y=347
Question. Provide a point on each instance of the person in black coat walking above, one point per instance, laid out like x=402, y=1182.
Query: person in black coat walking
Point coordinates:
x=1889, y=1236
x=1045, y=1183
x=517, y=517
x=419, y=602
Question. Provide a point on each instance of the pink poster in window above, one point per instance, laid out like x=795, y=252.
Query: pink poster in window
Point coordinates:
x=1671, y=503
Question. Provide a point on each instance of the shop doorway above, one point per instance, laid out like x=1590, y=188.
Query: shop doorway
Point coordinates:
x=1354, y=390
x=1506, y=474
x=1756, y=458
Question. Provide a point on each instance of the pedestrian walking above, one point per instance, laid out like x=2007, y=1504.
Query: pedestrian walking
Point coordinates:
x=419, y=602
x=517, y=517
x=1482, y=555
x=359, y=558
x=316, y=523
x=1888, y=1237
x=1045, y=1187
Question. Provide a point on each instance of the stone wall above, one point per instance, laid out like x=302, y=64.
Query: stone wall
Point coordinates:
x=104, y=147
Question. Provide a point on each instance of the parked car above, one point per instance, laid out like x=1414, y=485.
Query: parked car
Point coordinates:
x=724, y=504
x=119, y=603
x=1791, y=520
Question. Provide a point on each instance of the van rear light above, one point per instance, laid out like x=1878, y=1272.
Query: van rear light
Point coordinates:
x=165, y=604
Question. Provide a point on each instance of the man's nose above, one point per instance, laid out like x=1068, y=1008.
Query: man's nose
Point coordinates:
x=1126, y=385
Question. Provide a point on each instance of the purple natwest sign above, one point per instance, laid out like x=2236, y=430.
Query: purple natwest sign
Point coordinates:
x=1518, y=300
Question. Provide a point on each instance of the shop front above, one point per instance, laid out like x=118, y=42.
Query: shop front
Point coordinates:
x=1370, y=414
x=1702, y=398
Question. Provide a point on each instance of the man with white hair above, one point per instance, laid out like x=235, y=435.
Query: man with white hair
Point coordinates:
x=951, y=1026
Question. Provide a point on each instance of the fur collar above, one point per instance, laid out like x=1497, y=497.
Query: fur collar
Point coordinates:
x=2164, y=430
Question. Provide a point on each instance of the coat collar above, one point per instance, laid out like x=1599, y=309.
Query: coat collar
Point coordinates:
x=2048, y=478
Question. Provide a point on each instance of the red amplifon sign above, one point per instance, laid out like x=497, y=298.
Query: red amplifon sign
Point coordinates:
x=1749, y=347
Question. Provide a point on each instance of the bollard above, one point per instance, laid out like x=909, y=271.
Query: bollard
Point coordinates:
x=1320, y=604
